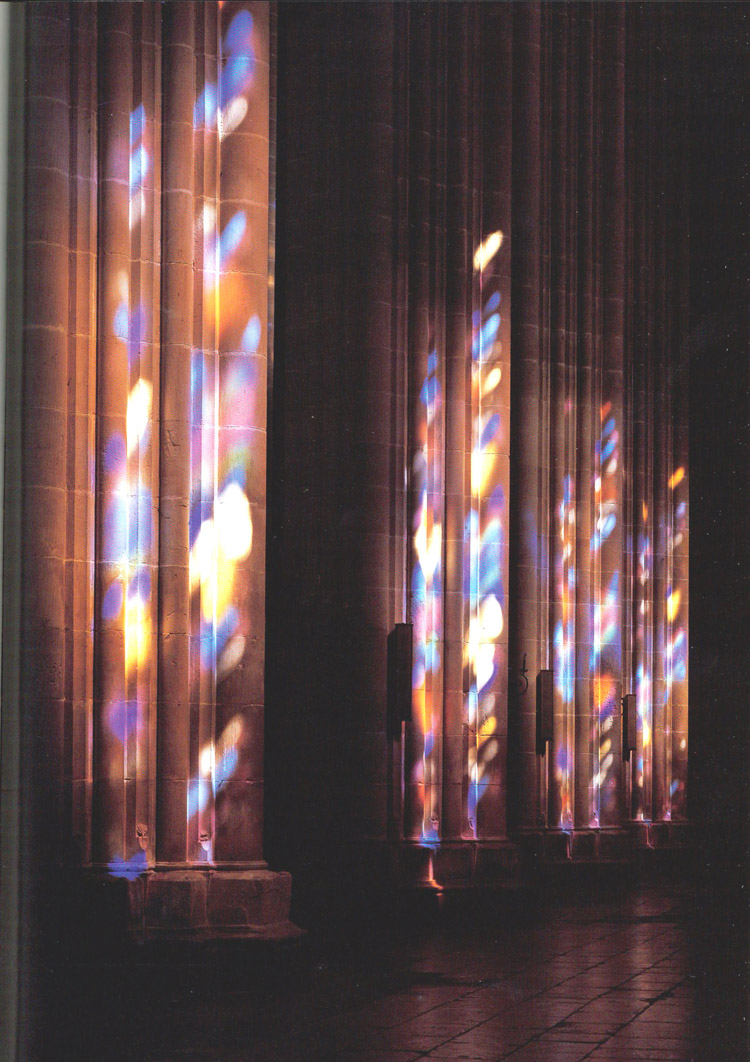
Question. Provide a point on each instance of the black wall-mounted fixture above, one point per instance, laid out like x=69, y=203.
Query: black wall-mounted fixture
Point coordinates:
x=400, y=642
x=543, y=710
x=629, y=725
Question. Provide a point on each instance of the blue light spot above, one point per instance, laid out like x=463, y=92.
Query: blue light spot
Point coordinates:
x=231, y=237
x=251, y=335
x=235, y=76
x=122, y=718
x=198, y=793
x=430, y=391
x=137, y=123
x=491, y=428
x=112, y=600
x=204, y=111
x=139, y=167
x=140, y=586
x=608, y=449
x=129, y=868
x=492, y=303
x=227, y=765
x=115, y=455
x=121, y=322
x=608, y=526
x=484, y=341
x=238, y=34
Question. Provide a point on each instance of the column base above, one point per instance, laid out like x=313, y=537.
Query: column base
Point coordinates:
x=208, y=904
x=603, y=845
x=457, y=864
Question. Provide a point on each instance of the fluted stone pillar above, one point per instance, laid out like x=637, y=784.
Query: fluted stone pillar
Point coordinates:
x=143, y=470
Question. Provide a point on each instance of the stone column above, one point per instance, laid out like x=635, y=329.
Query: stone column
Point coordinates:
x=529, y=416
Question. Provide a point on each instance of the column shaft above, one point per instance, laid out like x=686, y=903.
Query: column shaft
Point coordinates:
x=529, y=437
x=173, y=720
x=111, y=722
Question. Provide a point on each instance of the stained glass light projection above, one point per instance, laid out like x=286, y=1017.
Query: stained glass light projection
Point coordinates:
x=424, y=785
x=181, y=414
x=125, y=652
x=485, y=551
x=227, y=431
x=606, y=657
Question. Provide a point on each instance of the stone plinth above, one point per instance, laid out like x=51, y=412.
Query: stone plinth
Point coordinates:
x=198, y=904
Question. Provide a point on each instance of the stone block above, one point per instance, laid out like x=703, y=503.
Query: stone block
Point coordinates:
x=583, y=845
x=176, y=900
x=453, y=863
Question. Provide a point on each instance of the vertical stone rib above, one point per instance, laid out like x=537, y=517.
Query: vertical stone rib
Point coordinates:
x=115, y=86
x=143, y=449
x=585, y=438
x=528, y=416
x=612, y=251
x=423, y=383
x=178, y=31
x=490, y=459
x=81, y=418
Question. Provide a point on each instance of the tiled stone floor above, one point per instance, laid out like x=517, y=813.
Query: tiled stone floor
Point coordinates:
x=644, y=975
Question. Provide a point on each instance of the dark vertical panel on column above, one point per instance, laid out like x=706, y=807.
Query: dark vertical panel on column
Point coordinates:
x=14, y=909
x=679, y=257
x=399, y=417
x=44, y=810
x=336, y=568
x=45, y=405
x=661, y=442
x=719, y=741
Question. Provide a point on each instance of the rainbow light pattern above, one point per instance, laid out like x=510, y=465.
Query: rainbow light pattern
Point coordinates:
x=227, y=410
x=427, y=597
x=564, y=644
x=605, y=664
x=227, y=463
x=485, y=531
x=127, y=550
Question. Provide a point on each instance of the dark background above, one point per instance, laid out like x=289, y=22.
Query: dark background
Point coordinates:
x=321, y=757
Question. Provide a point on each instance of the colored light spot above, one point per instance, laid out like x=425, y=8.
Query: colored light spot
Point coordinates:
x=487, y=250
x=138, y=414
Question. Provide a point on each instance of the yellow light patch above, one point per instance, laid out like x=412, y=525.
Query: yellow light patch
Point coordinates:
x=673, y=605
x=487, y=250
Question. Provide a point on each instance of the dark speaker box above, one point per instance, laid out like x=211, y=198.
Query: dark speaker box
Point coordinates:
x=543, y=710
x=629, y=725
x=400, y=642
